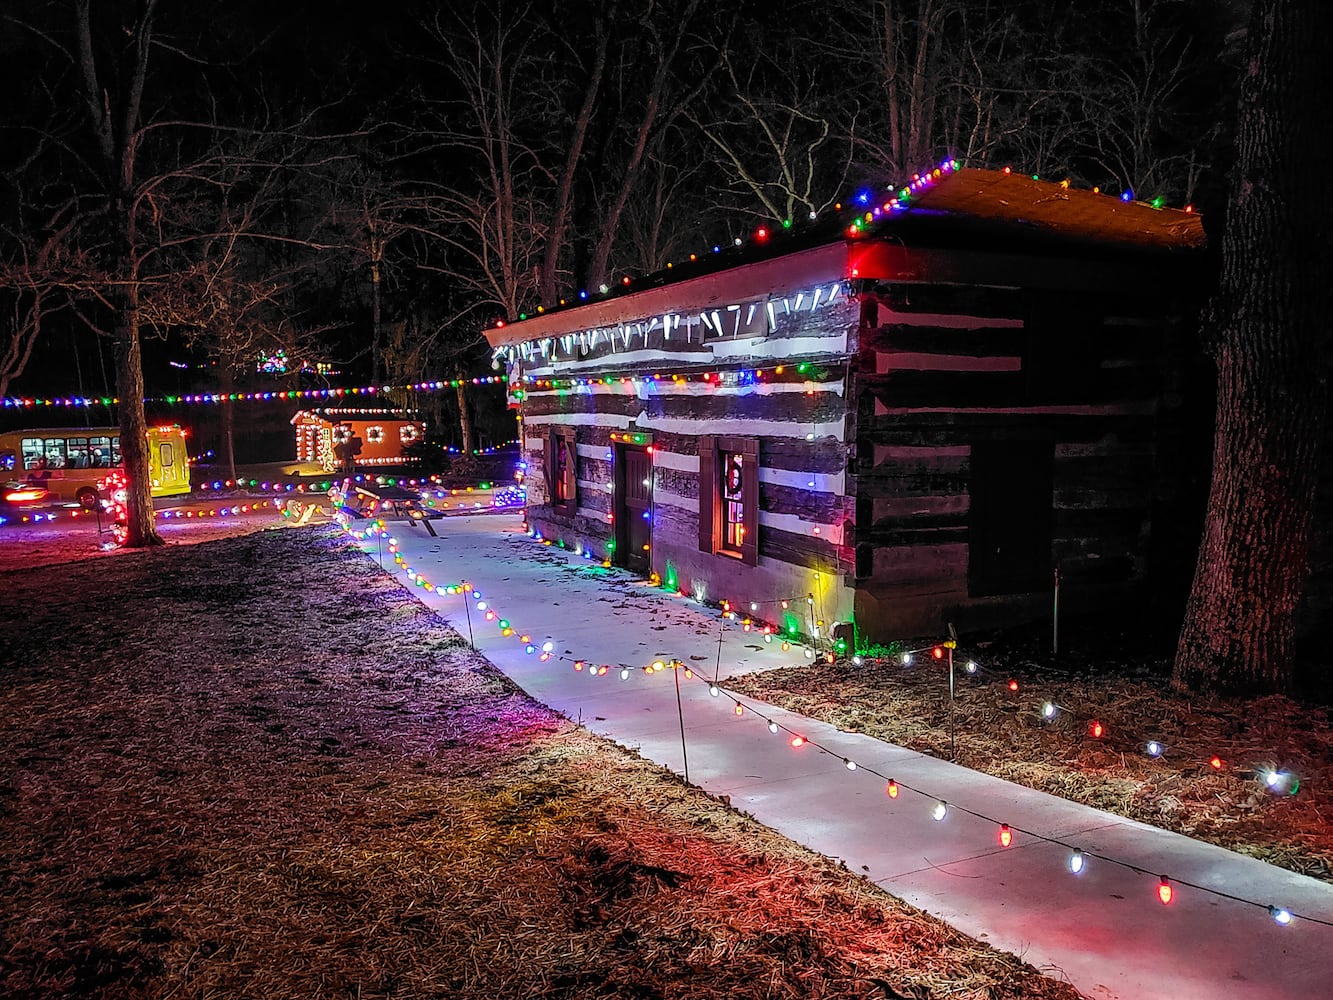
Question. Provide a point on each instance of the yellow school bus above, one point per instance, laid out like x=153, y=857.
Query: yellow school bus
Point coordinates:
x=70, y=461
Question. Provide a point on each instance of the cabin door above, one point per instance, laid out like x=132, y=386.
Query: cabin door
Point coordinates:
x=633, y=509
x=1009, y=521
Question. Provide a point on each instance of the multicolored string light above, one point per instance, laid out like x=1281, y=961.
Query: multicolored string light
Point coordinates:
x=79, y=402
x=1007, y=834
x=855, y=215
x=1096, y=728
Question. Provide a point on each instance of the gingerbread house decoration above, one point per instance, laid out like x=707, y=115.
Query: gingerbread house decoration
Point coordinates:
x=385, y=435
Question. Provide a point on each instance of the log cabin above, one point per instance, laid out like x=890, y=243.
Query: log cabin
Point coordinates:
x=914, y=415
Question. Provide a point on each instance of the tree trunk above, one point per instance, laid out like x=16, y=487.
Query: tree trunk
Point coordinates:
x=464, y=421
x=555, y=238
x=140, y=529
x=1270, y=318
x=376, y=342
x=227, y=383
x=598, y=271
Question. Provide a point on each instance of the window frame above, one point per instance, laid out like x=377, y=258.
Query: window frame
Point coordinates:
x=713, y=501
x=562, y=492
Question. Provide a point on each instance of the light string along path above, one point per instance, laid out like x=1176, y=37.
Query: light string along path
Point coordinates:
x=1077, y=858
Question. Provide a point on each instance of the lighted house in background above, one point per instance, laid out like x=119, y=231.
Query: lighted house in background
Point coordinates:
x=914, y=414
x=384, y=435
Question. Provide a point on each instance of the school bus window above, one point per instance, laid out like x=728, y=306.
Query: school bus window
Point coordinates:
x=165, y=459
x=99, y=450
x=55, y=453
x=78, y=453
x=32, y=450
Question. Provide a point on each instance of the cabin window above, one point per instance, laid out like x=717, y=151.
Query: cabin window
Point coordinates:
x=729, y=497
x=562, y=469
x=734, y=472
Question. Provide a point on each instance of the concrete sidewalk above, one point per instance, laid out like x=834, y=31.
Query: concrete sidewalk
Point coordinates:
x=1103, y=929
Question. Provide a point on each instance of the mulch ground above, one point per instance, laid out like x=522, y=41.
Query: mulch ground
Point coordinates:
x=1121, y=682
x=257, y=767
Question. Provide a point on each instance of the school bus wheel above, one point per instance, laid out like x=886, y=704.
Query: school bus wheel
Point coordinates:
x=88, y=498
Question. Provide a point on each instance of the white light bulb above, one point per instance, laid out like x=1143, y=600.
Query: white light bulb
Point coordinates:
x=907, y=659
x=548, y=647
x=850, y=764
x=971, y=667
x=772, y=727
x=1154, y=749
x=1048, y=710
x=624, y=673
x=939, y=811
x=1076, y=862
x=1280, y=915
x=857, y=661
x=712, y=689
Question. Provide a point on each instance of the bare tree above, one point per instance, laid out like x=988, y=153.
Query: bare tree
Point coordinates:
x=35, y=283
x=781, y=148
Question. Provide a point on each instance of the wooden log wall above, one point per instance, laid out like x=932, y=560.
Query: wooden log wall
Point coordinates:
x=943, y=370
x=677, y=381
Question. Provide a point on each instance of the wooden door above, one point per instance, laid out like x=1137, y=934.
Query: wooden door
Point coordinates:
x=634, y=503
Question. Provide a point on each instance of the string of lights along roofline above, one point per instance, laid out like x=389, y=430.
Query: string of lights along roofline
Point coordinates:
x=858, y=213
x=893, y=199
x=1077, y=858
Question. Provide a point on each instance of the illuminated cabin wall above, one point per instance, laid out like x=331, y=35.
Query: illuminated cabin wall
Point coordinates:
x=799, y=419
x=951, y=381
x=978, y=397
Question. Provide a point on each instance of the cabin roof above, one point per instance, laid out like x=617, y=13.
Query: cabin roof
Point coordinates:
x=951, y=209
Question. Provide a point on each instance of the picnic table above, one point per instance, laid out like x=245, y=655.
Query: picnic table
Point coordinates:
x=369, y=499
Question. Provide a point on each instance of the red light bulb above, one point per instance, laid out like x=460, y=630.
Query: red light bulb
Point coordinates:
x=1013, y=685
x=1164, y=891
x=1006, y=837
x=892, y=790
x=798, y=741
x=938, y=652
x=1096, y=729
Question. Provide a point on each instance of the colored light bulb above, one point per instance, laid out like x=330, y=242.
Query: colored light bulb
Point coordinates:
x=1164, y=891
x=1006, y=836
x=892, y=789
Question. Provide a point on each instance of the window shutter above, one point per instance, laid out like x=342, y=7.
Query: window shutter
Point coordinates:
x=570, y=435
x=548, y=467
x=750, y=491
x=707, y=493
